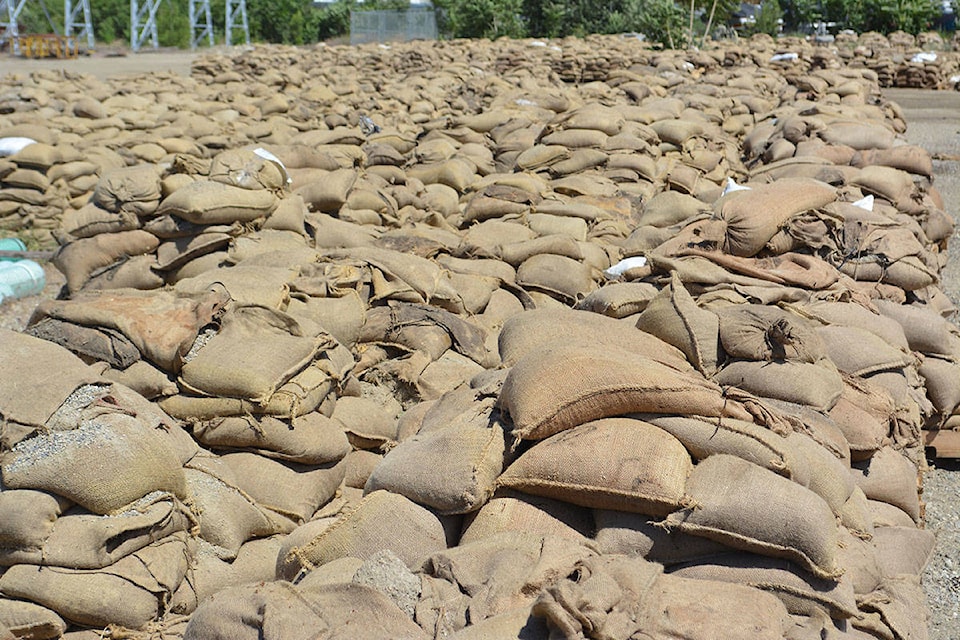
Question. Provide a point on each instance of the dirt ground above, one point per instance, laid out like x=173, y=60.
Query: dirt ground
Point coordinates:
x=107, y=63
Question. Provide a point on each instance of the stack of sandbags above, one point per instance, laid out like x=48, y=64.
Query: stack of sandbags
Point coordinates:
x=389, y=396
x=97, y=529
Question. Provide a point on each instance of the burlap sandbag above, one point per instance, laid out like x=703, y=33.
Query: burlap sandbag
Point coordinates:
x=753, y=509
x=130, y=592
x=636, y=467
x=130, y=189
x=815, y=385
x=80, y=259
x=829, y=476
x=940, y=376
x=635, y=534
x=514, y=511
x=248, y=170
x=761, y=332
x=209, y=202
x=674, y=317
x=255, y=562
x=19, y=619
x=369, y=423
x=864, y=414
x=32, y=395
x=668, y=208
x=518, y=623
x=79, y=540
x=255, y=351
x=588, y=384
x=103, y=465
x=754, y=216
x=926, y=331
x=292, y=490
x=311, y=439
x=800, y=592
x=614, y=596
x=27, y=517
x=382, y=520
x=902, y=551
x=559, y=276
x=619, y=299
x=452, y=470
x=704, y=437
x=888, y=476
x=895, y=606
x=281, y=611
x=858, y=135
x=227, y=516
x=91, y=220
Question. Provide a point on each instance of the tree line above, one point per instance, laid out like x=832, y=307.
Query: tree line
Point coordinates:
x=675, y=23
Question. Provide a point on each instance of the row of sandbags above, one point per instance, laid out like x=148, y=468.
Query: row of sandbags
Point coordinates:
x=338, y=376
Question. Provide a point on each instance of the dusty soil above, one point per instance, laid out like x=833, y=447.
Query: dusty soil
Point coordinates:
x=107, y=63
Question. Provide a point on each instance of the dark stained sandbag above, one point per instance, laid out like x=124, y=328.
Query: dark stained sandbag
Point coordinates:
x=752, y=509
x=635, y=467
x=589, y=384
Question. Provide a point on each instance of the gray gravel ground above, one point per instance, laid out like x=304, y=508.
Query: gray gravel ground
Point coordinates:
x=934, y=123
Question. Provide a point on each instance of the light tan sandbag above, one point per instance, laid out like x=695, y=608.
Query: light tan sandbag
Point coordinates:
x=130, y=592
x=674, y=317
x=754, y=216
x=281, y=611
x=589, y=384
x=32, y=395
x=704, y=437
x=209, y=202
x=556, y=275
x=294, y=491
x=800, y=592
x=80, y=259
x=91, y=220
x=858, y=135
x=815, y=385
x=381, y=520
x=903, y=551
x=888, y=476
x=636, y=534
x=635, y=467
x=515, y=511
x=27, y=517
x=81, y=540
x=248, y=170
x=619, y=299
x=19, y=619
x=103, y=465
x=255, y=351
x=753, y=509
x=310, y=439
x=130, y=189
x=767, y=332
x=452, y=470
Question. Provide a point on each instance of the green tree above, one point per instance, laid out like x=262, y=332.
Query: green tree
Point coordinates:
x=283, y=21
x=768, y=19
x=483, y=18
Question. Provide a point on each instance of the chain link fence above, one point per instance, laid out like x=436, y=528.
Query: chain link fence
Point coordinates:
x=392, y=26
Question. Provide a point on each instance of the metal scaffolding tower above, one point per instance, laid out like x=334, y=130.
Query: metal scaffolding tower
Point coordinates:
x=143, y=23
x=71, y=21
x=237, y=9
x=10, y=13
x=201, y=24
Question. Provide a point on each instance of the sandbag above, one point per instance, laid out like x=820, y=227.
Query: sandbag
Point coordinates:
x=210, y=202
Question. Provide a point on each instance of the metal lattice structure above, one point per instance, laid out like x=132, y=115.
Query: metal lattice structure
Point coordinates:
x=392, y=26
x=237, y=20
x=10, y=12
x=201, y=24
x=143, y=23
x=72, y=22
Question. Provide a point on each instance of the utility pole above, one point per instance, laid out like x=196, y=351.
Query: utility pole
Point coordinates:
x=143, y=23
x=201, y=24
x=237, y=10
x=71, y=14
